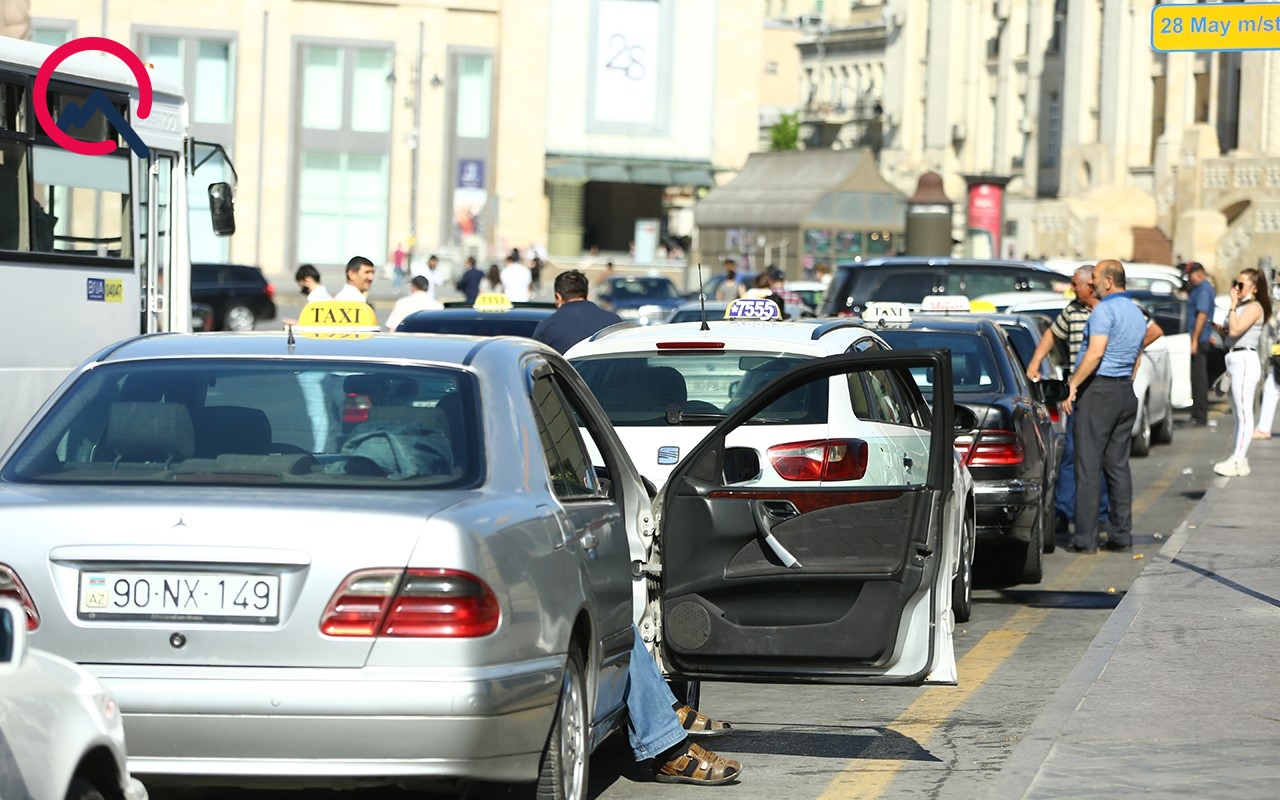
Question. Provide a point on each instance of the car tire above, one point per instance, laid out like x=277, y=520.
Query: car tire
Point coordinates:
x=1026, y=559
x=1141, y=444
x=962, y=583
x=563, y=773
x=1162, y=433
x=238, y=318
x=82, y=789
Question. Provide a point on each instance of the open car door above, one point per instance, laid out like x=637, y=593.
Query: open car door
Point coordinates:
x=780, y=580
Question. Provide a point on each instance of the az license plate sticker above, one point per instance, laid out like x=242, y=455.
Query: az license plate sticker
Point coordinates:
x=193, y=596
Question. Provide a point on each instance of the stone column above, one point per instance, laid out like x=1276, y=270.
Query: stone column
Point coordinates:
x=564, y=230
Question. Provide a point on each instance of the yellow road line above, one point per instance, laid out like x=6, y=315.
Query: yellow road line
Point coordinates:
x=867, y=778
x=1157, y=488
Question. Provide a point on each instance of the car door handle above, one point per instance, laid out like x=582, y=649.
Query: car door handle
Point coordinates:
x=768, y=513
x=589, y=541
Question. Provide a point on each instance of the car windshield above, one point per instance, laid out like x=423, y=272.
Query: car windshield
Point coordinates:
x=483, y=324
x=694, y=313
x=636, y=289
x=635, y=389
x=973, y=365
x=289, y=422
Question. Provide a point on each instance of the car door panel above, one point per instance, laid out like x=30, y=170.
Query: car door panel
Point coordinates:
x=807, y=581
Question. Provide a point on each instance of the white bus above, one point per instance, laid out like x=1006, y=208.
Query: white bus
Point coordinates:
x=86, y=257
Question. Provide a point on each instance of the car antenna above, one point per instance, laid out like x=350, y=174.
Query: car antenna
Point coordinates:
x=702, y=299
x=290, y=340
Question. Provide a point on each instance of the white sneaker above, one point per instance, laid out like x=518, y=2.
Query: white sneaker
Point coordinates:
x=1230, y=468
x=1242, y=467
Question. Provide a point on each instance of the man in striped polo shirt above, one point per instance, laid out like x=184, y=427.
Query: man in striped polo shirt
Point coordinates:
x=1069, y=327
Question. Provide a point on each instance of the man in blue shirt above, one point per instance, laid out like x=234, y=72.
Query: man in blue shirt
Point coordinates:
x=576, y=317
x=1199, y=317
x=1104, y=408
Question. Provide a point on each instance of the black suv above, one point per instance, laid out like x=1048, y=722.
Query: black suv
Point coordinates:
x=239, y=295
x=910, y=279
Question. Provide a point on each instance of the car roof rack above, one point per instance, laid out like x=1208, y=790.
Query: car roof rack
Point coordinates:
x=614, y=328
x=833, y=325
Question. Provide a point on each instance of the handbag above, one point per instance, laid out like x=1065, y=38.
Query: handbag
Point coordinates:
x=1222, y=386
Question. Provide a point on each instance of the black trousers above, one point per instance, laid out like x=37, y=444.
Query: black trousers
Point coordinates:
x=1200, y=384
x=1104, y=416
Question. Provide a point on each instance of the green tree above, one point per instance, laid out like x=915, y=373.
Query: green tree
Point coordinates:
x=785, y=133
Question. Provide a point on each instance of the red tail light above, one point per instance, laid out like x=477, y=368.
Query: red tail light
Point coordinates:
x=438, y=603
x=1055, y=413
x=271, y=291
x=991, y=449
x=356, y=408
x=820, y=460
x=12, y=588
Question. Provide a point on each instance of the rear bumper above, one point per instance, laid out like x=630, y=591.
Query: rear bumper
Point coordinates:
x=479, y=724
x=1006, y=508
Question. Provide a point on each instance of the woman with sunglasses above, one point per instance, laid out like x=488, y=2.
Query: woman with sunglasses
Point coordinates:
x=1250, y=309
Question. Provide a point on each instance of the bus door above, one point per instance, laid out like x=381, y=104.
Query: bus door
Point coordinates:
x=155, y=180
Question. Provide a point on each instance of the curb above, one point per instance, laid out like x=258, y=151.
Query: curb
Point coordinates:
x=1023, y=765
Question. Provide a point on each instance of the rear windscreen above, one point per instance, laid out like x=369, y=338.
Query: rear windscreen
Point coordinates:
x=206, y=421
x=492, y=325
x=973, y=365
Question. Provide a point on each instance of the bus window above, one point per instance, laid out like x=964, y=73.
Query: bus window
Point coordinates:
x=81, y=203
x=13, y=182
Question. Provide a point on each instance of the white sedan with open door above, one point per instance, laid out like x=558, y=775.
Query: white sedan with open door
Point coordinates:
x=763, y=577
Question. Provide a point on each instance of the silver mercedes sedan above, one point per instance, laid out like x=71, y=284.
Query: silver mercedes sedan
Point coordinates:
x=388, y=557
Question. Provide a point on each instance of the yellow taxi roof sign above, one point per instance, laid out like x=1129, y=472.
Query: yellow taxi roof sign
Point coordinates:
x=885, y=314
x=493, y=301
x=983, y=307
x=332, y=319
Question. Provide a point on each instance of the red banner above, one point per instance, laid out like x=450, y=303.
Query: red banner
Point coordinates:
x=986, y=211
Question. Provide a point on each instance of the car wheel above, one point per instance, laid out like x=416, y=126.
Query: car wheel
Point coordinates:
x=82, y=789
x=564, y=761
x=962, y=583
x=1025, y=562
x=1141, y=444
x=238, y=318
x=1162, y=433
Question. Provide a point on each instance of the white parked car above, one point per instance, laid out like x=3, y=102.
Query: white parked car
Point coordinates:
x=61, y=733
x=867, y=431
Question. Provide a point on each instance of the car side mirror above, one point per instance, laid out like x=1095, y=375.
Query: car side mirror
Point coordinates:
x=1051, y=391
x=222, y=209
x=741, y=464
x=964, y=419
x=13, y=635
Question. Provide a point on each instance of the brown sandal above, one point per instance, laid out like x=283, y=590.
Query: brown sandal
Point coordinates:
x=699, y=766
x=700, y=725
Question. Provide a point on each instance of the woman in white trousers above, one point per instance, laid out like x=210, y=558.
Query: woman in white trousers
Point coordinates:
x=1250, y=309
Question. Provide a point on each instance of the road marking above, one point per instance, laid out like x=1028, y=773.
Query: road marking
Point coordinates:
x=1157, y=488
x=869, y=776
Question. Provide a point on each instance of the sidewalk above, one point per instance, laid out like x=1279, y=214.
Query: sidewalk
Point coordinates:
x=1179, y=693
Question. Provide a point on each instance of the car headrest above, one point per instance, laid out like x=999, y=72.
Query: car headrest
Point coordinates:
x=143, y=432
x=232, y=429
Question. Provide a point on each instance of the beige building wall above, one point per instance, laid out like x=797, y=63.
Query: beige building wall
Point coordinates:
x=264, y=78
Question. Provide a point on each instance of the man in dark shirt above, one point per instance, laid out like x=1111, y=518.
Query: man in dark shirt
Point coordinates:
x=576, y=317
x=469, y=283
x=1199, y=325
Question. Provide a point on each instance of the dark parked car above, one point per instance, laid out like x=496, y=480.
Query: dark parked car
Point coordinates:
x=238, y=295
x=910, y=279
x=518, y=319
x=1008, y=444
x=646, y=300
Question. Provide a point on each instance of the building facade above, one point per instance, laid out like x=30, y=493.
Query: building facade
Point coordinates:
x=1105, y=147
x=445, y=125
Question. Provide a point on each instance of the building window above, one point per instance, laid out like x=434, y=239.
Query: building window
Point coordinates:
x=474, y=96
x=1053, y=138
x=52, y=32
x=343, y=156
x=205, y=67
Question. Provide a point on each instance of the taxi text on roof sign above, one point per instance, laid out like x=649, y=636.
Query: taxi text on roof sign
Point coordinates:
x=754, y=309
x=337, y=319
x=946, y=302
x=886, y=314
x=492, y=301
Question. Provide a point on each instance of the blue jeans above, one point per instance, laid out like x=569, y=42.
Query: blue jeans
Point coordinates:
x=652, y=724
x=1064, y=500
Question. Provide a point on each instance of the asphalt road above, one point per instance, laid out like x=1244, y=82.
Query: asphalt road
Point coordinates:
x=943, y=742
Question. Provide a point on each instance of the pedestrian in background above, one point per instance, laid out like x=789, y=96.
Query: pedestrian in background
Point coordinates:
x=1250, y=309
x=360, y=272
x=1101, y=398
x=399, y=260
x=516, y=279
x=308, y=278
x=1270, y=381
x=492, y=283
x=433, y=275
x=1199, y=323
x=469, y=283
x=418, y=299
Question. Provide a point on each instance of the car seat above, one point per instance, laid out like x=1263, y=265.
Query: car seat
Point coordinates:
x=147, y=432
x=231, y=429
